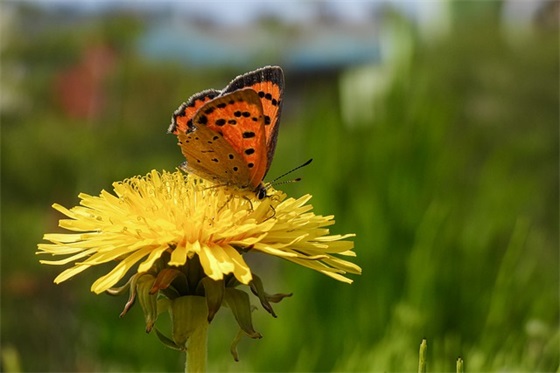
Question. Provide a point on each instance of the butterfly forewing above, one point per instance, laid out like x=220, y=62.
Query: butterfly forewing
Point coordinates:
x=238, y=117
x=182, y=117
x=268, y=83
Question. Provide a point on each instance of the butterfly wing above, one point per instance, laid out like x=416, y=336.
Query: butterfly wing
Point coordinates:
x=204, y=150
x=181, y=121
x=268, y=83
x=228, y=140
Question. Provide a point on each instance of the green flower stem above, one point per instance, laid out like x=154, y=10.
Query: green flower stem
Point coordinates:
x=189, y=318
x=196, y=350
x=459, y=365
x=422, y=357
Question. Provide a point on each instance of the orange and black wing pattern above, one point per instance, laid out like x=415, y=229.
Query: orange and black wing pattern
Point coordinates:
x=228, y=139
x=268, y=83
x=182, y=117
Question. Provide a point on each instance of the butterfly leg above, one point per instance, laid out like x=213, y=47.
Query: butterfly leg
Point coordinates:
x=226, y=203
x=273, y=213
x=251, y=203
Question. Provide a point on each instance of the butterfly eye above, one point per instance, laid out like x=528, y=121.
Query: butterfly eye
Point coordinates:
x=261, y=193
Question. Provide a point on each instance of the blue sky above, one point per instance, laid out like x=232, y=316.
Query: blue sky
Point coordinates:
x=238, y=12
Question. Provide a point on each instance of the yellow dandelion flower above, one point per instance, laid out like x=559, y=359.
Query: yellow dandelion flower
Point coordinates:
x=185, y=239
x=180, y=217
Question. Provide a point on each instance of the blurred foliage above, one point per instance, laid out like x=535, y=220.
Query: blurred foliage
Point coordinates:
x=452, y=191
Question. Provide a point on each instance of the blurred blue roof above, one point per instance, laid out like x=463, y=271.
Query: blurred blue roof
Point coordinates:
x=312, y=46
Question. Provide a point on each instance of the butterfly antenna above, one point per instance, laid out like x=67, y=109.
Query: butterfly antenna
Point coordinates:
x=274, y=181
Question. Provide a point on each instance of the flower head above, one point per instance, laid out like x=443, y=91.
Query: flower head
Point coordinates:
x=185, y=238
x=185, y=216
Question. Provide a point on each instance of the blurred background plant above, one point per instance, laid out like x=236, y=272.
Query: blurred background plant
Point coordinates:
x=434, y=129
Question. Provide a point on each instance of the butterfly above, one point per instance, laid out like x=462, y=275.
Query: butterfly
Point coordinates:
x=229, y=136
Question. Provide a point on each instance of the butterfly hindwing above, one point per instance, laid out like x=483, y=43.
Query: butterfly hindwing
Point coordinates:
x=203, y=149
x=236, y=118
x=268, y=83
x=182, y=117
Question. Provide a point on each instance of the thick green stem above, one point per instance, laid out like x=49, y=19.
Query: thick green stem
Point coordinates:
x=189, y=317
x=196, y=350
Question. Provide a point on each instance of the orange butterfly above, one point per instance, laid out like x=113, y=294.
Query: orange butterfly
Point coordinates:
x=229, y=136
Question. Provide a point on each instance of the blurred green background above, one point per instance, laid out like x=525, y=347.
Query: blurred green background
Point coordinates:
x=434, y=133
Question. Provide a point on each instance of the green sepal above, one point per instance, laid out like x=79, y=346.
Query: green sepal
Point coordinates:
x=238, y=302
x=258, y=289
x=164, y=280
x=163, y=305
x=131, y=285
x=194, y=272
x=234, y=343
x=147, y=300
x=214, y=292
x=277, y=298
x=167, y=341
x=120, y=289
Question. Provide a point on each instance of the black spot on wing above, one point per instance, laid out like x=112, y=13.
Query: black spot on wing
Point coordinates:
x=202, y=119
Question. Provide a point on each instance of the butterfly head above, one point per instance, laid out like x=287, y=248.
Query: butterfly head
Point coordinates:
x=260, y=191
